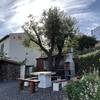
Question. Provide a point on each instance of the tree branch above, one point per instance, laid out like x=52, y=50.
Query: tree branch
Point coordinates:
x=38, y=42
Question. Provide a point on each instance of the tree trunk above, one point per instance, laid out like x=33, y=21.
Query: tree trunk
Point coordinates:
x=50, y=62
x=59, y=65
x=58, y=60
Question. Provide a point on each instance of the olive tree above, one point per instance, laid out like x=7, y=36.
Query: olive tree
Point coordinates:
x=50, y=32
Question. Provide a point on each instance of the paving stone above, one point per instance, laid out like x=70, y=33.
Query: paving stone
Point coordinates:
x=9, y=91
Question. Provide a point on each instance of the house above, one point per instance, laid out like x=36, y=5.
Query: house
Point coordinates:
x=13, y=47
x=96, y=33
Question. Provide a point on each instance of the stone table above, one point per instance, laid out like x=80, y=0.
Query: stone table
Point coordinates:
x=45, y=78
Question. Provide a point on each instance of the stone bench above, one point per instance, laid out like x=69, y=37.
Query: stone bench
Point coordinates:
x=31, y=78
x=59, y=84
x=33, y=84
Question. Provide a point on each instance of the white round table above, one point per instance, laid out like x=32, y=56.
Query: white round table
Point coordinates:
x=44, y=78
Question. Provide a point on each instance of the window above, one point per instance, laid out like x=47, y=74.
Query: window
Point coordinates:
x=2, y=47
x=19, y=38
x=28, y=70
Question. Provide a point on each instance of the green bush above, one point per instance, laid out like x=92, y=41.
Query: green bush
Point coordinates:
x=88, y=88
x=87, y=62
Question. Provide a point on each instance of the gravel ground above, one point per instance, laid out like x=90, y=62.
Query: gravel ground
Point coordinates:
x=9, y=91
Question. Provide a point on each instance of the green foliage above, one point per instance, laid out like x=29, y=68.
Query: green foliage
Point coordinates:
x=88, y=88
x=86, y=42
x=87, y=62
x=2, y=55
x=51, y=32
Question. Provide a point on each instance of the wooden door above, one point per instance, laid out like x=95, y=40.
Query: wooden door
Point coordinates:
x=40, y=64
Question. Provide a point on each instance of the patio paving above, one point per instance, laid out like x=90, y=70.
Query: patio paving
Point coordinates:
x=9, y=91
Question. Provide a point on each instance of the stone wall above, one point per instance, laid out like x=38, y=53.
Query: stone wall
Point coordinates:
x=9, y=71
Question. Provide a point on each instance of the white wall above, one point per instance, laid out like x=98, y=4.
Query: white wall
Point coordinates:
x=22, y=71
x=31, y=56
x=19, y=52
x=6, y=46
x=16, y=51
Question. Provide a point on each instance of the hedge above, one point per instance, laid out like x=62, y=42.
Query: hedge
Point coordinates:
x=88, y=88
x=87, y=62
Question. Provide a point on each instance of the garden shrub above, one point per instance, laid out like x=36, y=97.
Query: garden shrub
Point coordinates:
x=88, y=88
x=87, y=62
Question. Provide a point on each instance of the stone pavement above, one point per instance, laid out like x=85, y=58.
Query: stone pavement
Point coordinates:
x=9, y=91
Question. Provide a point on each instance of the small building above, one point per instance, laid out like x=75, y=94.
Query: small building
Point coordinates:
x=12, y=45
x=9, y=70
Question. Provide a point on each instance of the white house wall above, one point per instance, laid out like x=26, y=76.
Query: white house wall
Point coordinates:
x=31, y=56
x=19, y=52
x=15, y=50
x=6, y=46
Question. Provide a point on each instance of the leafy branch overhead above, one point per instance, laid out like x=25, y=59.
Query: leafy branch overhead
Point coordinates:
x=51, y=31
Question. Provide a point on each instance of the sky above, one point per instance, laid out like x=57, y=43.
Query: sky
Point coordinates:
x=14, y=13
